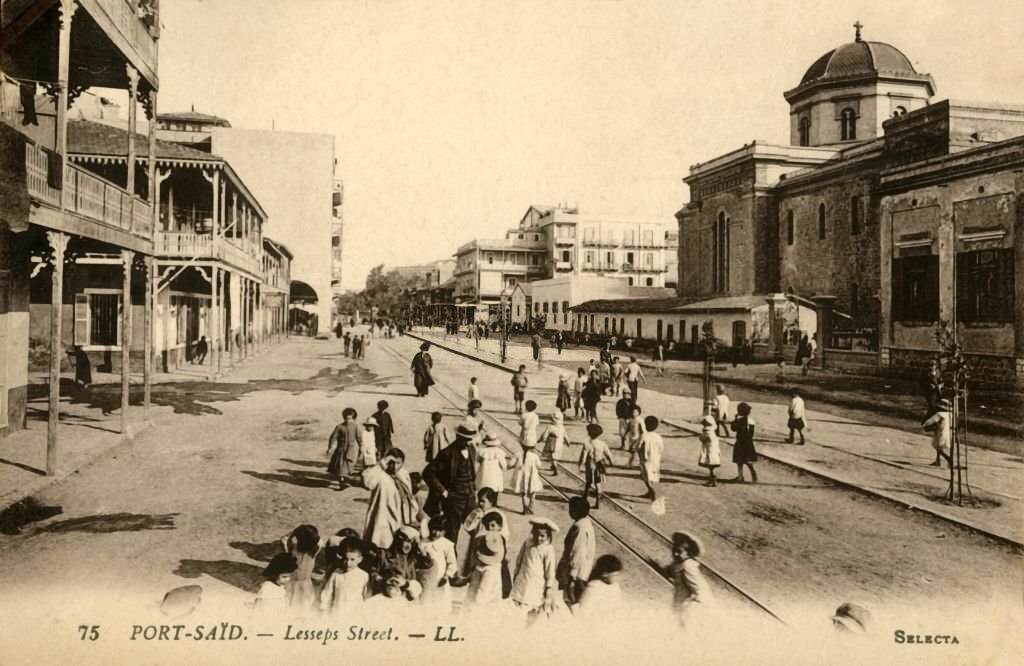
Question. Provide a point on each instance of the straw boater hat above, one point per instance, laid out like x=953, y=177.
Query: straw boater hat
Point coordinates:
x=489, y=550
x=491, y=440
x=544, y=522
x=852, y=617
x=679, y=538
x=372, y=422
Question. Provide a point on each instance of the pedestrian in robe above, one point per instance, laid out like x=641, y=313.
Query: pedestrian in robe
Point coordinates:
x=451, y=477
x=346, y=442
x=347, y=342
x=392, y=503
x=385, y=428
x=422, y=367
x=83, y=368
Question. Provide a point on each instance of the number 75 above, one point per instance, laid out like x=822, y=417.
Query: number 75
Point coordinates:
x=89, y=631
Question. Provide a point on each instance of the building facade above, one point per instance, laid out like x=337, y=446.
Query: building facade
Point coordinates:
x=65, y=231
x=820, y=218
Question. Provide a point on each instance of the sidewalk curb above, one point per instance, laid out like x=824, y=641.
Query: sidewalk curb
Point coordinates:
x=42, y=483
x=845, y=483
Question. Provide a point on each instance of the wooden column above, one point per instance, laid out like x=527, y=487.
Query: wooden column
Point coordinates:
x=58, y=243
x=67, y=12
x=133, y=85
x=244, y=318
x=216, y=332
x=126, y=336
x=147, y=363
x=151, y=278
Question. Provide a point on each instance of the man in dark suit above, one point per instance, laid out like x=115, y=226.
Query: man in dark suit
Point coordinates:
x=451, y=477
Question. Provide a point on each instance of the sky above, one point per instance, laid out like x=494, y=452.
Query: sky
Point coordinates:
x=451, y=118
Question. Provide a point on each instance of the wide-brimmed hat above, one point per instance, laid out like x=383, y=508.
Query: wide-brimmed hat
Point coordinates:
x=945, y=405
x=681, y=538
x=371, y=422
x=409, y=532
x=491, y=440
x=490, y=549
x=544, y=522
x=466, y=430
x=852, y=617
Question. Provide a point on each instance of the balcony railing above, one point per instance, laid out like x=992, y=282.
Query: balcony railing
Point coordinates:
x=190, y=245
x=88, y=195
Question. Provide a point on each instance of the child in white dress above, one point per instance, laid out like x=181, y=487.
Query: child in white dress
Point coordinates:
x=554, y=439
x=272, y=596
x=437, y=578
x=348, y=585
x=472, y=527
x=489, y=551
x=493, y=462
x=710, y=451
x=722, y=409
x=527, y=479
x=534, y=583
x=650, y=449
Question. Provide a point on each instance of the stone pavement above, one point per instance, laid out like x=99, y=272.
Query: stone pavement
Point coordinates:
x=882, y=461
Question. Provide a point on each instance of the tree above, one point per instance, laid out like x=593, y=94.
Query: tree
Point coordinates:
x=383, y=290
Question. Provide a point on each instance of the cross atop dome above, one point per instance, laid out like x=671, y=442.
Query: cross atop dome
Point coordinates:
x=858, y=25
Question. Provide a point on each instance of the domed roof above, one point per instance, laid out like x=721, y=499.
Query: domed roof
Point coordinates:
x=859, y=58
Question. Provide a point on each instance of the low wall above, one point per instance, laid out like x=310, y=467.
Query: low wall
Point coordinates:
x=863, y=362
x=985, y=368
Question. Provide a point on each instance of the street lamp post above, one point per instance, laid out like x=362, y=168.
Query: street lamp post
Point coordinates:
x=503, y=333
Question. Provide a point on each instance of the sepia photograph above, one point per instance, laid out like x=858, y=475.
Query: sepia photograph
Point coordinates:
x=622, y=332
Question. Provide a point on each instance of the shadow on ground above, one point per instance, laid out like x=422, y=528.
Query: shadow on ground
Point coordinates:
x=238, y=574
x=112, y=522
x=261, y=552
x=198, y=397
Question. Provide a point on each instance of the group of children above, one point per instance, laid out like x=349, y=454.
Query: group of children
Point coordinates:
x=346, y=575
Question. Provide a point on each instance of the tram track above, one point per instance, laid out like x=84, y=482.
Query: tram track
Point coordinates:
x=618, y=533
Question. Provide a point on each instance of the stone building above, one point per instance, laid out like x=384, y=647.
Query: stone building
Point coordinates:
x=816, y=218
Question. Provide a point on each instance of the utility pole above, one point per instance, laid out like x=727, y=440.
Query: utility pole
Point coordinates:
x=710, y=347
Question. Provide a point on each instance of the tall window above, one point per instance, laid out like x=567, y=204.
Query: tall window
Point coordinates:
x=855, y=215
x=565, y=312
x=821, y=221
x=98, y=318
x=848, y=125
x=721, y=253
x=650, y=282
x=609, y=259
x=915, y=294
x=588, y=258
x=790, y=227
x=629, y=258
x=565, y=255
x=805, y=131
x=984, y=286
x=648, y=260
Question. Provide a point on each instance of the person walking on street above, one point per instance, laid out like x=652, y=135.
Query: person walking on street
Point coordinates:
x=577, y=392
x=634, y=373
x=938, y=424
x=559, y=342
x=743, y=451
x=519, y=383
x=796, y=417
x=623, y=412
x=346, y=341
x=385, y=428
x=535, y=344
x=578, y=553
x=650, y=450
x=591, y=396
x=346, y=443
x=451, y=477
x=659, y=359
x=422, y=368
x=722, y=410
x=617, y=371
x=563, y=396
x=710, y=453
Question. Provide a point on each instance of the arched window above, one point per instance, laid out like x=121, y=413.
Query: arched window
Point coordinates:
x=899, y=112
x=848, y=125
x=855, y=215
x=805, y=131
x=821, y=221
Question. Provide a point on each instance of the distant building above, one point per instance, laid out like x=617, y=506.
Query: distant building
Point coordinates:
x=297, y=188
x=337, y=234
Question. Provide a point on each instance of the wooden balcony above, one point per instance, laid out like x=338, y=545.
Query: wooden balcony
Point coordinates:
x=188, y=245
x=87, y=195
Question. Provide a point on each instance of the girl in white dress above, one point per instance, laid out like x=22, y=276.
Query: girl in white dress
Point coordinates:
x=527, y=479
x=489, y=551
x=534, y=585
x=554, y=438
x=437, y=578
x=272, y=596
x=493, y=463
x=710, y=452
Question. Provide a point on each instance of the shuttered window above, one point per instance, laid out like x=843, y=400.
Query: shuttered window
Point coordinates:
x=916, y=288
x=984, y=285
